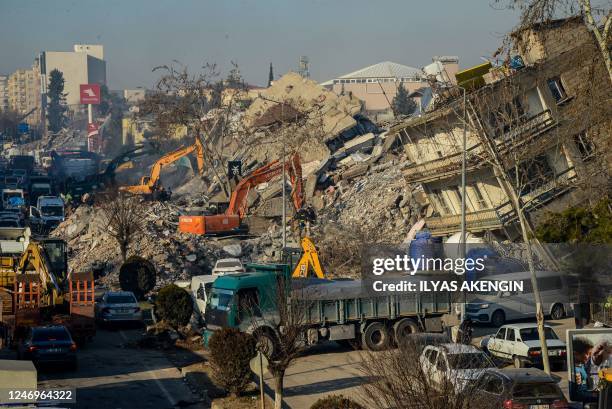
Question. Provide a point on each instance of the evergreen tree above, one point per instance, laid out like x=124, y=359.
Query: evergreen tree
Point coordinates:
x=56, y=109
x=270, y=76
x=402, y=104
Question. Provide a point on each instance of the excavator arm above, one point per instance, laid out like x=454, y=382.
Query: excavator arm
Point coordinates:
x=309, y=260
x=238, y=200
x=36, y=261
x=148, y=184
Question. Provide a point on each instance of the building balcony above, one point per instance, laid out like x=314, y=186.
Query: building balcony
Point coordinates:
x=482, y=220
x=450, y=165
x=442, y=167
x=504, y=214
x=526, y=130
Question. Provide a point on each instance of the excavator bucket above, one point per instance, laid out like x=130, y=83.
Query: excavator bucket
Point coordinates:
x=26, y=300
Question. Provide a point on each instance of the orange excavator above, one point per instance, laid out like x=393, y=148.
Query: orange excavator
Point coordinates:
x=150, y=185
x=230, y=221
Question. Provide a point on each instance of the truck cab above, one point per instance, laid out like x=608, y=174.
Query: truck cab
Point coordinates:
x=236, y=298
x=13, y=199
x=48, y=213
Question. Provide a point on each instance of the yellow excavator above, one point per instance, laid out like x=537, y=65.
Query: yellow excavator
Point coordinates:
x=44, y=291
x=150, y=185
x=309, y=261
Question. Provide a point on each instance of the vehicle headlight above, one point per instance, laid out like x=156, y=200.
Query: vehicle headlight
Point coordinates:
x=483, y=306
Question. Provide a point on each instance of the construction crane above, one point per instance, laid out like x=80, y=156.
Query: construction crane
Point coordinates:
x=150, y=185
x=230, y=221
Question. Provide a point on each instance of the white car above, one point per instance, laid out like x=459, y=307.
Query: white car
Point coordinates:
x=456, y=364
x=520, y=344
x=228, y=266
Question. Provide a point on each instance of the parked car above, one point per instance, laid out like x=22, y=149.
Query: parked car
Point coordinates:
x=513, y=388
x=497, y=308
x=118, y=306
x=520, y=344
x=228, y=266
x=52, y=344
x=457, y=364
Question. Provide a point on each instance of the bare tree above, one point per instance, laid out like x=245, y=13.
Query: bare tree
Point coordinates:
x=201, y=103
x=123, y=216
x=399, y=379
x=596, y=16
x=280, y=335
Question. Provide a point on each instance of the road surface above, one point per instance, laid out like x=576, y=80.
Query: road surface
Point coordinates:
x=111, y=376
x=331, y=369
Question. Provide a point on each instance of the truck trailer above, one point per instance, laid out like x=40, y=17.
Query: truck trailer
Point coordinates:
x=333, y=310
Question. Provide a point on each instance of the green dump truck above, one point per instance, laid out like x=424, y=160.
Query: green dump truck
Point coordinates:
x=333, y=310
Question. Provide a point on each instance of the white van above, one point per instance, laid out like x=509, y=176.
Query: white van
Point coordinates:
x=497, y=308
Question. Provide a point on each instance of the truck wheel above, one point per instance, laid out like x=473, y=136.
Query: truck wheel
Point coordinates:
x=498, y=318
x=266, y=343
x=558, y=312
x=375, y=337
x=403, y=328
x=518, y=363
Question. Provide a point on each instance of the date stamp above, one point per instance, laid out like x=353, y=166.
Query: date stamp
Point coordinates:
x=13, y=396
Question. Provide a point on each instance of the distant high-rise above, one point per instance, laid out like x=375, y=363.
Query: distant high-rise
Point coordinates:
x=84, y=65
x=303, y=69
x=4, y=96
x=23, y=92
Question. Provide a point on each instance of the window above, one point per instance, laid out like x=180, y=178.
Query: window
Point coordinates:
x=585, y=145
x=510, y=335
x=493, y=384
x=433, y=356
x=439, y=198
x=248, y=303
x=532, y=174
x=441, y=364
x=550, y=284
x=481, y=203
x=557, y=90
x=501, y=333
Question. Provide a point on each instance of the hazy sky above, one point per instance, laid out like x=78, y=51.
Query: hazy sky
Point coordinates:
x=338, y=36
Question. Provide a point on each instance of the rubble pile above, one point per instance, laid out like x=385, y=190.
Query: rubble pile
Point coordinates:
x=175, y=256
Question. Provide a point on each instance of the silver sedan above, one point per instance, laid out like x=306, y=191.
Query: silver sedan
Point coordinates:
x=118, y=306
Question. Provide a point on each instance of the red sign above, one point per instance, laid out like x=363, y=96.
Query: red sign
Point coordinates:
x=90, y=93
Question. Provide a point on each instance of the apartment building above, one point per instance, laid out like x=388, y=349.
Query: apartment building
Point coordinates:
x=23, y=89
x=84, y=65
x=4, y=99
x=539, y=131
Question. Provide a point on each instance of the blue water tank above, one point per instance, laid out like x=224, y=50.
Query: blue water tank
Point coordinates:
x=423, y=245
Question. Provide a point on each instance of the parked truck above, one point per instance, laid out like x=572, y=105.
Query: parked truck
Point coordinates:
x=335, y=310
x=47, y=214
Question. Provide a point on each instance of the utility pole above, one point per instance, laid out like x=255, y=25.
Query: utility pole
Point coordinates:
x=462, y=242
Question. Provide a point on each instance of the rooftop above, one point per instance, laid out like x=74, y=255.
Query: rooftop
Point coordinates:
x=385, y=69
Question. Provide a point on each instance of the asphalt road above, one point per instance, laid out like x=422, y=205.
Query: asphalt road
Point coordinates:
x=331, y=369
x=111, y=376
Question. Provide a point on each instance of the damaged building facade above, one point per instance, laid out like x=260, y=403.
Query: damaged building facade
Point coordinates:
x=539, y=131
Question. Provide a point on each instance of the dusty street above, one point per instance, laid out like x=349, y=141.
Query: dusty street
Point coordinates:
x=111, y=376
x=334, y=369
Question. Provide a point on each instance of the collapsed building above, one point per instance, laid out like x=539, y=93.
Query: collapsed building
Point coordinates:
x=537, y=128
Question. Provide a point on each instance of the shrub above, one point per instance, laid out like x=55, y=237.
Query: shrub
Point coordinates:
x=335, y=402
x=138, y=276
x=174, y=305
x=230, y=353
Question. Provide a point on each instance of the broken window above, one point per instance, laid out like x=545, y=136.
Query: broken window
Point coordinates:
x=440, y=202
x=532, y=174
x=585, y=145
x=556, y=89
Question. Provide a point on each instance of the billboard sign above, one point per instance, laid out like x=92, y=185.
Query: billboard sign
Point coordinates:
x=90, y=93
